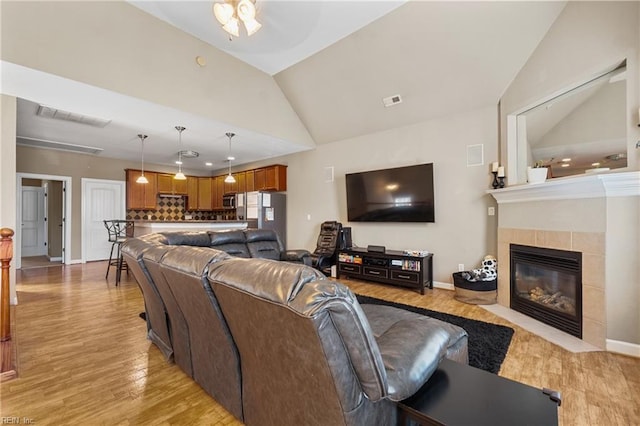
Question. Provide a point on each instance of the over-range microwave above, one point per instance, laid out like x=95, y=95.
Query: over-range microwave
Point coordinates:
x=229, y=201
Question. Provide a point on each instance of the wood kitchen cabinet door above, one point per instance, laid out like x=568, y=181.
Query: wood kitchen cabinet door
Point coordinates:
x=168, y=185
x=180, y=186
x=204, y=193
x=192, y=193
x=141, y=196
x=272, y=178
x=249, y=177
x=219, y=184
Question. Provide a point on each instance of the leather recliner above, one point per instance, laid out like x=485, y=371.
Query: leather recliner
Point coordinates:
x=215, y=362
x=325, y=254
x=308, y=353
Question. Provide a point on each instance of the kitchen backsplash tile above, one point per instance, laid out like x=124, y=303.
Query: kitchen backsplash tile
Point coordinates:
x=169, y=208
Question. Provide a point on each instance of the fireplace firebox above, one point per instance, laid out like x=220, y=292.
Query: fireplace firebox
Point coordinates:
x=546, y=284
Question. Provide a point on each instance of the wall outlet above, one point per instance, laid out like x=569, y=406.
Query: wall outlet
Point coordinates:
x=460, y=267
x=491, y=211
x=308, y=217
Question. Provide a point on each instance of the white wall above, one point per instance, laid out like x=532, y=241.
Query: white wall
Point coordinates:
x=8, y=108
x=462, y=232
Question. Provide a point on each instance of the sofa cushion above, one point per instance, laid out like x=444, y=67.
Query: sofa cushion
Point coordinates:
x=411, y=350
x=382, y=318
x=231, y=242
x=182, y=238
x=264, y=244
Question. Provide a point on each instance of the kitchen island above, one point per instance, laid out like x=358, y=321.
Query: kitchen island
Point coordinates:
x=143, y=227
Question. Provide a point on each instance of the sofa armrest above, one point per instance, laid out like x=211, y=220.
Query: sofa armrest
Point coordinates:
x=411, y=351
x=301, y=256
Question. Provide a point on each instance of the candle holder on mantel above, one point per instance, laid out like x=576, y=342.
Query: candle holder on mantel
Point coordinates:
x=501, y=181
x=495, y=183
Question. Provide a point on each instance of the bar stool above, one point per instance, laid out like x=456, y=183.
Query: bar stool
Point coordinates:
x=119, y=230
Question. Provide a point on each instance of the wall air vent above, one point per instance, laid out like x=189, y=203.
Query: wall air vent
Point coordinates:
x=41, y=143
x=58, y=114
x=392, y=100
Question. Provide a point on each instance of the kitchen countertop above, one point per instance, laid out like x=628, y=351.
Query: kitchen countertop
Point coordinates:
x=187, y=221
x=143, y=227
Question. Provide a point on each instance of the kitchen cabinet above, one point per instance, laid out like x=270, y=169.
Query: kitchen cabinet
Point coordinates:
x=219, y=185
x=249, y=177
x=168, y=185
x=141, y=196
x=205, y=198
x=241, y=178
x=272, y=178
x=192, y=193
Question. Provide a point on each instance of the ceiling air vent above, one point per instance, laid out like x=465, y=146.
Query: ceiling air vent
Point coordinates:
x=392, y=100
x=41, y=143
x=58, y=114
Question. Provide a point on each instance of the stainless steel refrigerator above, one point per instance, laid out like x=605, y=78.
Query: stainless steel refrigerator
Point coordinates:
x=264, y=210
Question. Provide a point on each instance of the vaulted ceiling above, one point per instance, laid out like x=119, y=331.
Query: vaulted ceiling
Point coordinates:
x=335, y=61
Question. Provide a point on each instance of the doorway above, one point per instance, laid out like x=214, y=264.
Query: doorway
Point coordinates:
x=43, y=206
x=101, y=200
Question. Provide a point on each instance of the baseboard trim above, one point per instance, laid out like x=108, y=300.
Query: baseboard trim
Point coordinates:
x=444, y=286
x=624, y=348
x=54, y=259
x=75, y=262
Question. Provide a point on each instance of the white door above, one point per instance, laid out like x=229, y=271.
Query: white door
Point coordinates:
x=32, y=222
x=102, y=200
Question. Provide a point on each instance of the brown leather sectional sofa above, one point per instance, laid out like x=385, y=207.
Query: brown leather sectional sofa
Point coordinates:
x=277, y=342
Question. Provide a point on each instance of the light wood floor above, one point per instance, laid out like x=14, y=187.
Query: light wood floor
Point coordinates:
x=83, y=359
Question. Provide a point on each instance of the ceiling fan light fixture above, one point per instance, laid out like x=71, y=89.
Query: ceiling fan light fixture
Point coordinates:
x=232, y=27
x=252, y=26
x=246, y=10
x=223, y=12
x=229, y=13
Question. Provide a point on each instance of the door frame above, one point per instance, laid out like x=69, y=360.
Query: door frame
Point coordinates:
x=84, y=207
x=67, y=222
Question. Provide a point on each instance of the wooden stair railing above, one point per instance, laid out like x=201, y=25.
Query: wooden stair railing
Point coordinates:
x=6, y=254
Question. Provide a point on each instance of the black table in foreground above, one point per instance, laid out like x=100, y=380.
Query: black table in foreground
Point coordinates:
x=457, y=394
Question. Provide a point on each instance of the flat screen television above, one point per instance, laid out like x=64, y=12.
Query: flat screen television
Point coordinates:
x=402, y=194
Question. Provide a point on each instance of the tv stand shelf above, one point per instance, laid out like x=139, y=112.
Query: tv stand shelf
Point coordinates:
x=391, y=267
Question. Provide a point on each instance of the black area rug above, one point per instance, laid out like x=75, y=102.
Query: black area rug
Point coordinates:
x=488, y=343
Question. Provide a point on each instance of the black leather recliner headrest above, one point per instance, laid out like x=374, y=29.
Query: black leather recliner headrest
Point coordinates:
x=196, y=239
x=227, y=237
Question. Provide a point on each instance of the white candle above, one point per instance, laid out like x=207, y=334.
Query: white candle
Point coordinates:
x=501, y=171
x=494, y=166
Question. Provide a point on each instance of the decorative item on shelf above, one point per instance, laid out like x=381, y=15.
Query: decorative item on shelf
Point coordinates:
x=494, y=171
x=142, y=178
x=230, y=12
x=230, y=178
x=537, y=173
x=501, y=176
x=180, y=175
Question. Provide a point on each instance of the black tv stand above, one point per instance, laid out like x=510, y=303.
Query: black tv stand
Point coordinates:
x=391, y=267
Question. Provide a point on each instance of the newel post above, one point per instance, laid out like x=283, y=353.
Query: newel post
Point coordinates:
x=6, y=254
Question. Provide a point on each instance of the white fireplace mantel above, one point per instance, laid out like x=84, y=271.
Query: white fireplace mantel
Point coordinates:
x=623, y=184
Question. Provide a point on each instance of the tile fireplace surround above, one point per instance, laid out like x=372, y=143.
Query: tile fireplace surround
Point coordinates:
x=597, y=215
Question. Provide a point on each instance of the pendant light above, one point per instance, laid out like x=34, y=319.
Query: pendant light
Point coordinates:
x=230, y=178
x=180, y=175
x=142, y=178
